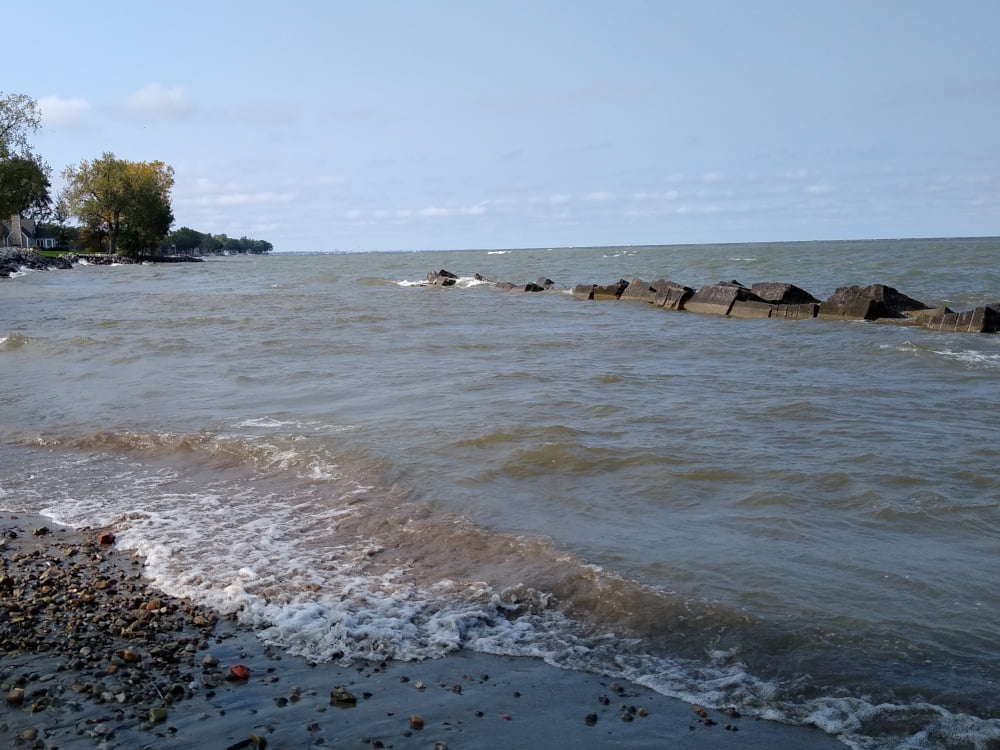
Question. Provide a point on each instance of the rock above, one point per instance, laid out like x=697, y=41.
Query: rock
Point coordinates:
x=868, y=303
x=340, y=696
x=544, y=281
x=922, y=315
x=670, y=295
x=609, y=291
x=584, y=291
x=105, y=537
x=529, y=287
x=158, y=714
x=130, y=656
x=807, y=310
x=779, y=293
x=751, y=309
x=441, y=278
x=15, y=259
x=985, y=319
x=506, y=285
x=416, y=722
x=718, y=299
x=239, y=672
x=15, y=697
x=639, y=291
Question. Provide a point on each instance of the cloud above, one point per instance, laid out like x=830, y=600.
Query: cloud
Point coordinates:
x=69, y=114
x=206, y=193
x=157, y=101
x=669, y=195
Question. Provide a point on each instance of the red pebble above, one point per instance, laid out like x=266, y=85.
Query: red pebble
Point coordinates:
x=239, y=671
x=506, y=716
x=106, y=538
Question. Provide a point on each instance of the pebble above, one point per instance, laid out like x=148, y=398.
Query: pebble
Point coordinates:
x=341, y=696
x=75, y=600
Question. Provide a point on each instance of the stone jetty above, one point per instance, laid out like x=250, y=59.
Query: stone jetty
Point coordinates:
x=15, y=259
x=876, y=302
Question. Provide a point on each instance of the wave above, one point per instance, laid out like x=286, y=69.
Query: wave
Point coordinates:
x=14, y=341
x=972, y=359
x=337, y=565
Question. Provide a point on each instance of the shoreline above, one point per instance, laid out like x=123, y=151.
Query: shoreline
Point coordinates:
x=167, y=681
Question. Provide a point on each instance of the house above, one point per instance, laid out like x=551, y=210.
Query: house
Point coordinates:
x=20, y=232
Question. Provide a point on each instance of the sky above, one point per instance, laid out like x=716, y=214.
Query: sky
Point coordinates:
x=323, y=125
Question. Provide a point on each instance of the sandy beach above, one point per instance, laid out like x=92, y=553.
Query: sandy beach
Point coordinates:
x=94, y=658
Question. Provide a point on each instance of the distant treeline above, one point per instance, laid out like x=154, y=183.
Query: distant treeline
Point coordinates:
x=189, y=241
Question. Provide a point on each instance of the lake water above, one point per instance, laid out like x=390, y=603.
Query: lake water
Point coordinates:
x=796, y=517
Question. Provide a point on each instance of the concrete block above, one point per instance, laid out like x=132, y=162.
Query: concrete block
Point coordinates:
x=751, y=309
x=780, y=293
x=807, y=310
x=609, y=291
x=670, y=295
x=985, y=319
x=639, y=291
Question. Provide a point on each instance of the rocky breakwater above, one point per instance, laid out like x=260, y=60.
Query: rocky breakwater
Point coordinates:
x=876, y=302
x=81, y=634
x=16, y=259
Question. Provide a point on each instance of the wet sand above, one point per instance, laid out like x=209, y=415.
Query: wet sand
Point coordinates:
x=92, y=657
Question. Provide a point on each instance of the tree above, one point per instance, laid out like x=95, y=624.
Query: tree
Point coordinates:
x=186, y=239
x=127, y=200
x=24, y=177
x=210, y=244
x=24, y=186
x=19, y=116
x=58, y=227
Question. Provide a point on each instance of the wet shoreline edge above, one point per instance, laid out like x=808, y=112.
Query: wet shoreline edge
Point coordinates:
x=173, y=679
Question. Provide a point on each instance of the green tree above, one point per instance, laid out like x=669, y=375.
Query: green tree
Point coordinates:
x=24, y=176
x=126, y=200
x=24, y=186
x=210, y=244
x=185, y=239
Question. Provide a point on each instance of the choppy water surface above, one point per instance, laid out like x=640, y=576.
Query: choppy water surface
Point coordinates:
x=798, y=517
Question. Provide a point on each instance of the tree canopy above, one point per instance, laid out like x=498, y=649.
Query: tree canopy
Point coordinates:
x=128, y=201
x=24, y=176
x=19, y=117
x=24, y=186
x=186, y=240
